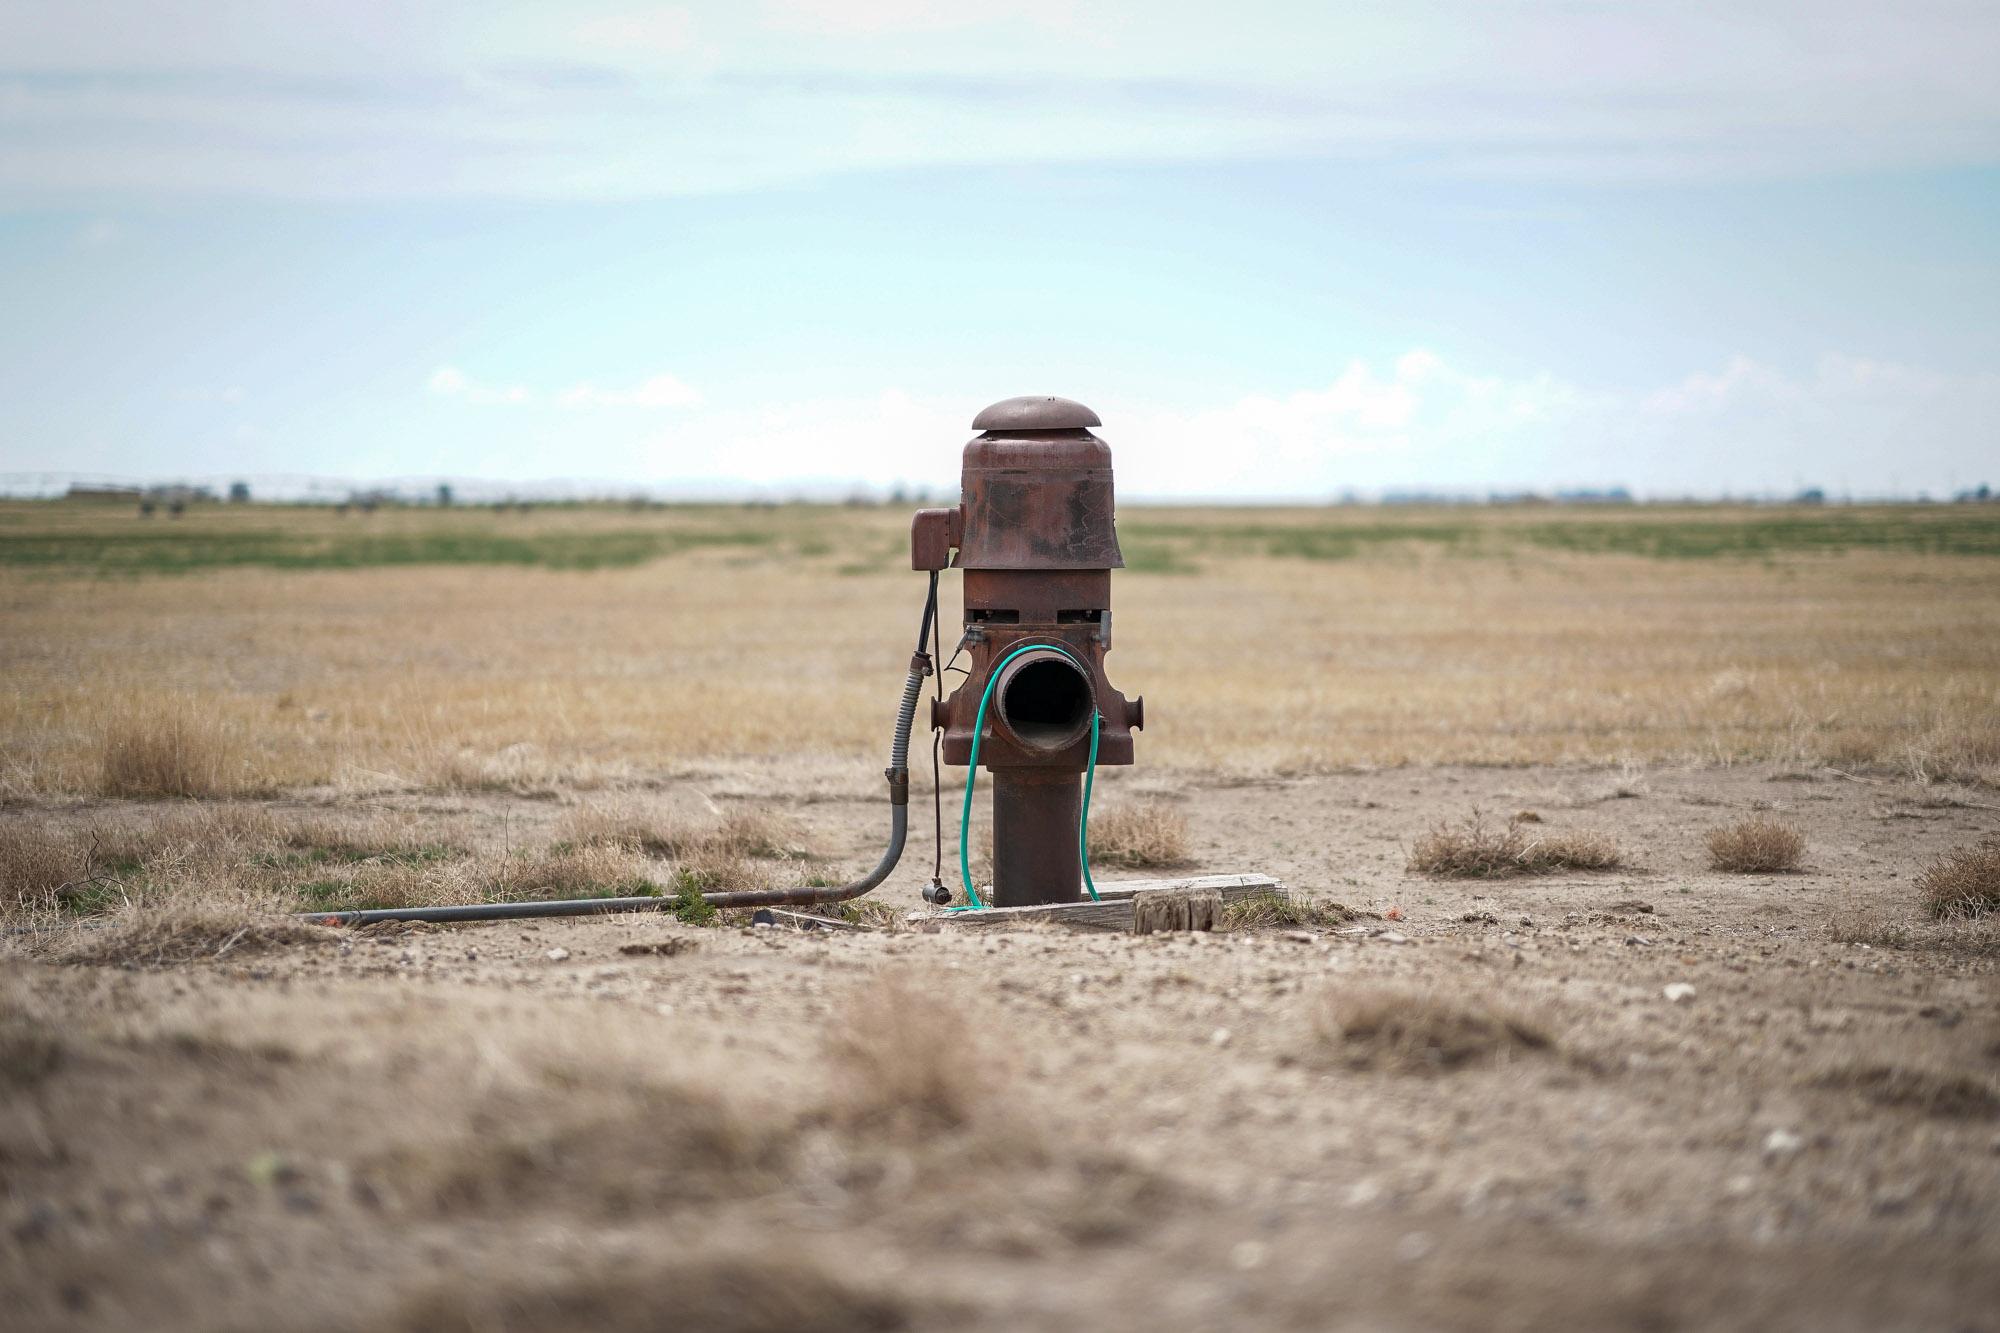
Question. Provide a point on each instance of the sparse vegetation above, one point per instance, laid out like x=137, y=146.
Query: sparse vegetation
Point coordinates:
x=1865, y=925
x=1276, y=908
x=445, y=680
x=717, y=1293
x=183, y=930
x=177, y=753
x=909, y=1056
x=621, y=1151
x=689, y=906
x=1945, y=1093
x=1756, y=846
x=567, y=871
x=1476, y=849
x=1406, y=1029
x=1141, y=835
x=1962, y=883
x=677, y=835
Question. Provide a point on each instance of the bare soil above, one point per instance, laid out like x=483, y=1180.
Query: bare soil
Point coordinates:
x=536, y=1125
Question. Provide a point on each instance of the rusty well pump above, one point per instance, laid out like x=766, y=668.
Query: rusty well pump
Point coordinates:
x=1034, y=535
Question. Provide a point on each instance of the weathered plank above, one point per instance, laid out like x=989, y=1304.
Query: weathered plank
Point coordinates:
x=1113, y=912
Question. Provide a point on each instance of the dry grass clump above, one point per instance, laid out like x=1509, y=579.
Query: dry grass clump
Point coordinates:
x=1411, y=1030
x=910, y=1055
x=57, y=871
x=1278, y=907
x=41, y=868
x=718, y=1293
x=379, y=838
x=1754, y=846
x=172, y=753
x=1964, y=882
x=617, y=1152
x=1856, y=924
x=1143, y=834
x=1476, y=849
x=1948, y=1094
x=569, y=871
x=31, y=1046
x=678, y=836
x=167, y=931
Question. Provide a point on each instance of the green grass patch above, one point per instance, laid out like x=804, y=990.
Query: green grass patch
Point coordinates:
x=305, y=858
x=528, y=893
x=182, y=549
x=689, y=906
x=1974, y=532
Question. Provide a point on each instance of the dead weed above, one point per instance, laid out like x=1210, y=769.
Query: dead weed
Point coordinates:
x=1756, y=846
x=1946, y=1093
x=1963, y=883
x=1476, y=849
x=715, y=1292
x=1141, y=835
x=1410, y=1030
x=1275, y=907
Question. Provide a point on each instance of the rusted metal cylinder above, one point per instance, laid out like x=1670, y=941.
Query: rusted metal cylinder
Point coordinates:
x=1034, y=534
x=1035, y=818
x=1044, y=700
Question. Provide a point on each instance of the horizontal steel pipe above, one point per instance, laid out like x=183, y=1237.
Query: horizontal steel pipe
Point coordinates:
x=899, y=827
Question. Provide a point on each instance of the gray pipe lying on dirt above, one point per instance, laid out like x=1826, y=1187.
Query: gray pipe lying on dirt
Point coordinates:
x=898, y=774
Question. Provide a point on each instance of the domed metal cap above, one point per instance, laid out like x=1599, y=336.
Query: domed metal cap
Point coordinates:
x=1036, y=413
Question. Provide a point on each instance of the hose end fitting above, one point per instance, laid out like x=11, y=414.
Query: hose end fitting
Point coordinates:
x=899, y=785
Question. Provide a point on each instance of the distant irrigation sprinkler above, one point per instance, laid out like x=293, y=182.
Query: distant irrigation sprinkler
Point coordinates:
x=1034, y=534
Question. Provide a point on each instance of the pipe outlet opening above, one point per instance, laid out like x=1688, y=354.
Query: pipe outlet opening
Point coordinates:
x=1045, y=701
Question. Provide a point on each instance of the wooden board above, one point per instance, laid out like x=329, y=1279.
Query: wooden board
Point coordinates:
x=1113, y=912
x=1164, y=911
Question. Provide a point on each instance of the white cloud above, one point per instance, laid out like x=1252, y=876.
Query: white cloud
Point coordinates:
x=451, y=382
x=1414, y=421
x=658, y=391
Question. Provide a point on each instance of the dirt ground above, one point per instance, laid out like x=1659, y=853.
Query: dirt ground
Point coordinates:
x=632, y=1122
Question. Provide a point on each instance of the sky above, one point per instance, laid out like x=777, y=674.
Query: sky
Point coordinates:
x=1285, y=251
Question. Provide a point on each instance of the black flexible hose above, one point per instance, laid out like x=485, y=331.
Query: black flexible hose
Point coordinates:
x=898, y=774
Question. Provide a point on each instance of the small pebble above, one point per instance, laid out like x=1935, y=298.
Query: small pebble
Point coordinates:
x=1393, y=937
x=558, y=954
x=1782, y=1143
x=1678, y=992
x=1219, y=1037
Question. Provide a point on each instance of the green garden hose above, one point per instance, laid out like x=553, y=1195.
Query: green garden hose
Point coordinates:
x=972, y=774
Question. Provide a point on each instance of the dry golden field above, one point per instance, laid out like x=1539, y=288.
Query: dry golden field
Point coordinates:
x=291, y=649
x=1639, y=968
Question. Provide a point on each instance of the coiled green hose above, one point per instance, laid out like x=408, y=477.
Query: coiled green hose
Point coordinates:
x=972, y=774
